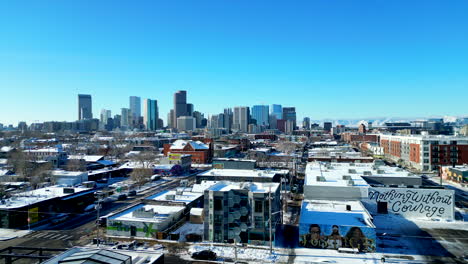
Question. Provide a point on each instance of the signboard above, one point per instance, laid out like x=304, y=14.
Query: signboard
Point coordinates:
x=335, y=237
x=416, y=203
x=175, y=156
x=33, y=215
x=218, y=165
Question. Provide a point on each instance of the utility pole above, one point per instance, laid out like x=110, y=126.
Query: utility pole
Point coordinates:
x=269, y=205
x=98, y=208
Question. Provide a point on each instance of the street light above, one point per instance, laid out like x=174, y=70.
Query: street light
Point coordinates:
x=98, y=206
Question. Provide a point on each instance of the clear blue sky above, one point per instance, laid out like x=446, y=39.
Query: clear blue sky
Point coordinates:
x=330, y=59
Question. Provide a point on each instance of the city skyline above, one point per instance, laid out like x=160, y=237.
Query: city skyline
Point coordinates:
x=329, y=60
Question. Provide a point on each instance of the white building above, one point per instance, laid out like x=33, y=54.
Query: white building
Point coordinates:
x=69, y=178
x=186, y=123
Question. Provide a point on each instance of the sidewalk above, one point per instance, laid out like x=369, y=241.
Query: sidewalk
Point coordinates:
x=7, y=234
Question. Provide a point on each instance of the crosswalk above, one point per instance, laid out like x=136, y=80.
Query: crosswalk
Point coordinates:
x=49, y=235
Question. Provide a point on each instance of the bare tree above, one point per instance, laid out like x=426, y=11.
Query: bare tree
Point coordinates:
x=286, y=147
x=141, y=176
x=76, y=165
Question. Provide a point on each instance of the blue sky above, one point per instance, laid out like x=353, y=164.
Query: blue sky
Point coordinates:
x=330, y=59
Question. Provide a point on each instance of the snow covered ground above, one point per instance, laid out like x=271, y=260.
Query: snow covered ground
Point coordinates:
x=251, y=255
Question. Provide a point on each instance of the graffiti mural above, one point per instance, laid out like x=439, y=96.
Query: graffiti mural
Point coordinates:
x=417, y=203
x=334, y=237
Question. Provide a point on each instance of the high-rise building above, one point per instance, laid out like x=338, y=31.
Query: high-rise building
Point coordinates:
x=189, y=109
x=306, y=123
x=327, y=126
x=125, y=118
x=150, y=114
x=228, y=116
x=180, y=103
x=186, y=123
x=85, y=106
x=135, y=109
x=171, y=122
x=105, y=115
x=277, y=111
x=216, y=121
x=198, y=118
x=241, y=118
x=289, y=113
x=261, y=114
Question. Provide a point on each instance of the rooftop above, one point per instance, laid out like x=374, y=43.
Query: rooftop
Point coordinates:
x=347, y=174
x=225, y=186
x=330, y=212
x=239, y=173
x=183, y=195
x=161, y=212
x=38, y=195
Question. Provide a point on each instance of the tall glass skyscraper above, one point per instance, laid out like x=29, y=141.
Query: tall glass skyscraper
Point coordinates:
x=150, y=114
x=277, y=111
x=261, y=114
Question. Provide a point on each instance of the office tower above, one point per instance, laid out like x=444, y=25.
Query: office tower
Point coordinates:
x=277, y=111
x=105, y=115
x=117, y=119
x=198, y=118
x=180, y=104
x=241, y=118
x=261, y=114
x=289, y=113
x=216, y=121
x=327, y=126
x=189, y=109
x=125, y=118
x=85, y=107
x=228, y=119
x=150, y=114
x=306, y=123
x=135, y=109
x=171, y=119
x=186, y=123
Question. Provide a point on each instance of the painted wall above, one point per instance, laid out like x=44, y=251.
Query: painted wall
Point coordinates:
x=416, y=203
x=333, y=237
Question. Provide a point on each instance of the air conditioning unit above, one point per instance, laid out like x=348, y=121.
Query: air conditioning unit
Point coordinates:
x=170, y=197
x=346, y=177
x=320, y=179
x=352, y=171
x=380, y=171
x=367, y=173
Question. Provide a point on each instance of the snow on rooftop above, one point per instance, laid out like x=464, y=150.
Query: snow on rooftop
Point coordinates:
x=239, y=173
x=225, y=186
x=87, y=158
x=179, y=195
x=38, y=195
x=334, y=173
x=180, y=144
x=161, y=212
x=331, y=212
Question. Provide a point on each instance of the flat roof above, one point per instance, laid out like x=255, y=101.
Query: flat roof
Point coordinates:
x=240, y=173
x=331, y=212
x=225, y=186
x=161, y=212
x=333, y=173
x=182, y=195
x=38, y=195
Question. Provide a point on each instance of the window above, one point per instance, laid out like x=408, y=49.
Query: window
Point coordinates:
x=258, y=206
x=218, y=204
x=258, y=222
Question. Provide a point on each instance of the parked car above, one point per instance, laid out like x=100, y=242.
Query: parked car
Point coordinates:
x=204, y=255
x=122, y=197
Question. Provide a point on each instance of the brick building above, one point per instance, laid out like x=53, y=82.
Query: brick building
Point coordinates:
x=425, y=152
x=201, y=152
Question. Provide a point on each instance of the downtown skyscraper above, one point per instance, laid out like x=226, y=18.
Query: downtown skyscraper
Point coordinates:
x=85, y=107
x=150, y=114
x=261, y=114
x=241, y=118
